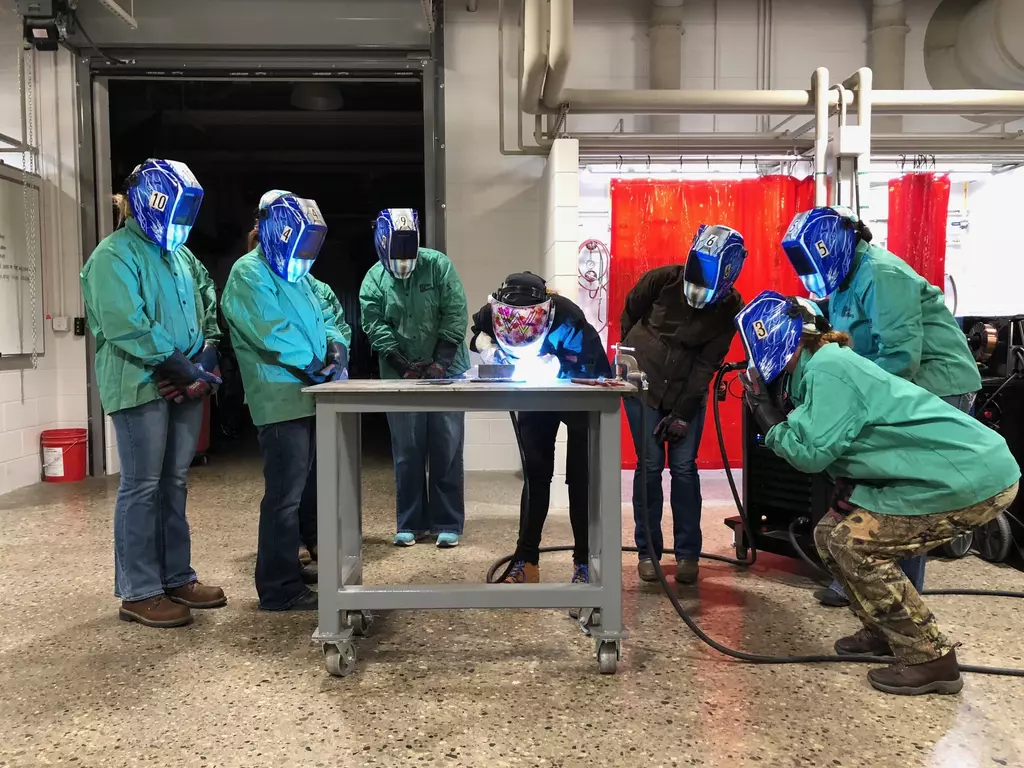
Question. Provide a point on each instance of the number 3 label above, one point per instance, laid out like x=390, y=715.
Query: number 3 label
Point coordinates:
x=759, y=330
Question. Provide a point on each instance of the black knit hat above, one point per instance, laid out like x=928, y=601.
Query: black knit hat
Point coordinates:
x=522, y=289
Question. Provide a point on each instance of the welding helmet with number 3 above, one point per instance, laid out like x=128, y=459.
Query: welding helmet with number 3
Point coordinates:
x=396, y=236
x=521, y=314
x=291, y=233
x=821, y=244
x=771, y=327
x=713, y=264
x=164, y=198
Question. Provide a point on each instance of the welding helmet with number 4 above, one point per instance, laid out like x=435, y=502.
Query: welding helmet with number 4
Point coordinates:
x=164, y=198
x=713, y=264
x=396, y=236
x=522, y=314
x=291, y=233
x=771, y=327
x=821, y=244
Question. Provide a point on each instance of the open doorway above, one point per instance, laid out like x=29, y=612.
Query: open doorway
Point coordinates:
x=355, y=146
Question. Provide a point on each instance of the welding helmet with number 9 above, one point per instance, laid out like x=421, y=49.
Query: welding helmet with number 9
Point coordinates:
x=771, y=327
x=164, y=198
x=821, y=244
x=396, y=236
x=291, y=233
x=521, y=313
x=713, y=264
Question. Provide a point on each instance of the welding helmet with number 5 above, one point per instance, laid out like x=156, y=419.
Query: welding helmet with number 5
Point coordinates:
x=396, y=236
x=291, y=233
x=771, y=327
x=821, y=244
x=713, y=264
x=164, y=198
x=521, y=313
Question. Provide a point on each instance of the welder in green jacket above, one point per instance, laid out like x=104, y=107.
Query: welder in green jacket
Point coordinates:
x=153, y=310
x=894, y=317
x=286, y=337
x=414, y=313
x=923, y=473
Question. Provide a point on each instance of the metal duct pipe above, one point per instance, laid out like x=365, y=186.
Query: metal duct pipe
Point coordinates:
x=559, y=54
x=535, y=54
x=990, y=45
x=819, y=86
x=887, y=52
x=949, y=102
x=596, y=101
x=666, y=56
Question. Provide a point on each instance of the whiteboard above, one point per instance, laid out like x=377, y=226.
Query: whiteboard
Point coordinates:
x=16, y=315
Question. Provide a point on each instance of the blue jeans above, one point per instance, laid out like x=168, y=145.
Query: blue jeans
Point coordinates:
x=288, y=449
x=914, y=567
x=685, y=496
x=419, y=440
x=152, y=545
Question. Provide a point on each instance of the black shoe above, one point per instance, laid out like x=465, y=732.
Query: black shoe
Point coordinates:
x=863, y=643
x=830, y=598
x=310, y=574
x=308, y=602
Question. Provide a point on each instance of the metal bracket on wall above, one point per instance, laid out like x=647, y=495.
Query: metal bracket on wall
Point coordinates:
x=429, y=14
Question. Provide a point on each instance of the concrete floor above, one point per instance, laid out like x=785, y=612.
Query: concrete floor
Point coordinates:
x=246, y=688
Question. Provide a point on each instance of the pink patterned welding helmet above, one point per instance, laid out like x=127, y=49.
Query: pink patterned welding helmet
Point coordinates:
x=521, y=331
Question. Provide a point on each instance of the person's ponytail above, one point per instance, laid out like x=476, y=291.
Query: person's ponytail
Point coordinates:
x=121, y=209
x=254, y=237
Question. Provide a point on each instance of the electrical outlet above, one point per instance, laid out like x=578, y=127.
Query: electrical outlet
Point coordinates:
x=79, y=326
x=60, y=324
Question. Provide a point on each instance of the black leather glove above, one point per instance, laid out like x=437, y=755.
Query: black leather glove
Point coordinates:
x=766, y=413
x=317, y=371
x=401, y=365
x=671, y=429
x=207, y=357
x=182, y=372
x=337, y=360
x=444, y=353
x=418, y=370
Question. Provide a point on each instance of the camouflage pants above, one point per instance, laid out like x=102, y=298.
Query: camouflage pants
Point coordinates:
x=863, y=550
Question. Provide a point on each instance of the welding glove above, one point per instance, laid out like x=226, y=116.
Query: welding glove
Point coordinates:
x=183, y=373
x=318, y=371
x=490, y=353
x=671, y=429
x=444, y=354
x=401, y=365
x=337, y=359
x=766, y=413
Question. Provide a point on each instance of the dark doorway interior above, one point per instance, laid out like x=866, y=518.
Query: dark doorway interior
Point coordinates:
x=355, y=146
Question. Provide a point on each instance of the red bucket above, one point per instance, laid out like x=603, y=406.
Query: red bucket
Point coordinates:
x=64, y=452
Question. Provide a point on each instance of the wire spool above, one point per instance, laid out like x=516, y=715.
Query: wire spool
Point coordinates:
x=983, y=339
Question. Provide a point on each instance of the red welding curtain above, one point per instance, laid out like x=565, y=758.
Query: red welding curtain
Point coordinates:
x=918, y=209
x=653, y=223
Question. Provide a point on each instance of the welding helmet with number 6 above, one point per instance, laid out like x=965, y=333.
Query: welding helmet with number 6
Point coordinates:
x=771, y=327
x=521, y=314
x=713, y=264
x=291, y=233
x=821, y=244
x=164, y=198
x=396, y=236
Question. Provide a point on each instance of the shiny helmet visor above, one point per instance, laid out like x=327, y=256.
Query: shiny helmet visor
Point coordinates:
x=713, y=264
x=291, y=233
x=521, y=330
x=821, y=244
x=164, y=197
x=396, y=237
x=771, y=327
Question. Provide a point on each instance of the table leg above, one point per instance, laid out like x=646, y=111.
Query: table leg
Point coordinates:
x=327, y=515
x=609, y=632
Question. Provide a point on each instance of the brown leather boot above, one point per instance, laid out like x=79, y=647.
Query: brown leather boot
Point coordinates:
x=198, y=595
x=863, y=643
x=686, y=571
x=156, y=611
x=939, y=676
x=305, y=556
x=523, y=573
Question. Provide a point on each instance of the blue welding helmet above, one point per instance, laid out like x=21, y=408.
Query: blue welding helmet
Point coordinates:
x=292, y=231
x=396, y=236
x=821, y=244
x=771, y=327
x=164, y=198
x=713, y=264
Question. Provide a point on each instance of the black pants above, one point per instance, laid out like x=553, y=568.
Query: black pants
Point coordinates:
x=538, y=431
x=307, y=507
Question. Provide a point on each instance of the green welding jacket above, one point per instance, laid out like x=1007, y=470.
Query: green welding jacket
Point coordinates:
x=412, y=315
x=900, y=321
x=278, y=329
x=906, y=451
x=143, y=303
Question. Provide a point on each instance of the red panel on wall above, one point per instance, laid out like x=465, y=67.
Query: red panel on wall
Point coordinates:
x=653, y=224
x=918, y=210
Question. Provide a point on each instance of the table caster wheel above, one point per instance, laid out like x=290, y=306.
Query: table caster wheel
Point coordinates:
x=340, y=658
x=994, y=539
x=607, y=658
x=958, y=547
x=359, y=622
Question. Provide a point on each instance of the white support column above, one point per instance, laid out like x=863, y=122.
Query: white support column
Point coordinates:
x=887, y=54
x=666, y=56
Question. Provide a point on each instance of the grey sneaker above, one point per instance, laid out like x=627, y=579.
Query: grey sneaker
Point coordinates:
x=686, y=571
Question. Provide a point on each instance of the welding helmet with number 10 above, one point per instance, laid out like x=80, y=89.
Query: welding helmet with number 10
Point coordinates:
x=821, y=244
x=771, y=327
x=713, y=264
x=164, y=198
x=521, y=314
x=292, y=231
x=396, y=236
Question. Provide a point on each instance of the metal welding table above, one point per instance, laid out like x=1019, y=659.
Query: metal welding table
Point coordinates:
x=346, y=603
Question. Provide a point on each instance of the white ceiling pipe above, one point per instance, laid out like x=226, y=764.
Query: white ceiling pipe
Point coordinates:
x=535, y=54
x=949, y=102
x=598, y=101
x=990, y=44
x=666, y=56
x=887, y=52
x=560, y=52
x=819, y=86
